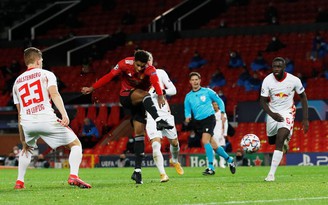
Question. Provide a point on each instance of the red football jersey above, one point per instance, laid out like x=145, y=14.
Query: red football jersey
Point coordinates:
x=130, y=78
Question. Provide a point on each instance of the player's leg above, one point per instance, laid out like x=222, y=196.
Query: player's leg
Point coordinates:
x=216, y=139
x=56, y=135
x=23, y=162
x=209, y=154
x=207, y=126
x=174, y=149
x=155, y=139
x=172, y=136
x=220, y=141
x=272, y=130
x=141, y=96
x=222, y=153
x=25, y=158
x=158, y=158
x=74, y=160
x=138, y=122
x=222, y=162
x=282, y=135
x=139, y=147
x=278, y=132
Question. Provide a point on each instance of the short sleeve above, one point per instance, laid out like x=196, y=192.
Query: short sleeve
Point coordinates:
x=15, y=97
x=298, y=86
x=265, y=88
x=52, y=80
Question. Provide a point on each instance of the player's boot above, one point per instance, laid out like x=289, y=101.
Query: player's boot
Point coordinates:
x=164, y=178
x=208, y=171
x=76, y=181
x=136, y=176
x=232, y=167
x=269, y=178
x=285, y=148
x=19, y=185
x=162, y=124
x=177, y=167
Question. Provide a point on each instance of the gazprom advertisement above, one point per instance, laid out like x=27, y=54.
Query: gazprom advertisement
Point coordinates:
x=307, y=159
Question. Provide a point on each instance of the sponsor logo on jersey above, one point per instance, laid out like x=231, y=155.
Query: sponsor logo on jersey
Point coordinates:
x=281, y=95
x=129, y=62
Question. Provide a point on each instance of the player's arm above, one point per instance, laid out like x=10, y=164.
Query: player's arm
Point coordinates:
x=223, y=121
x=301, y=92
x=26, y=148
x=170, y=88
x=58, y=101
x=102, y=81
x=187, y=110
x=151, y=71
x=264, y=103
x=304, y=103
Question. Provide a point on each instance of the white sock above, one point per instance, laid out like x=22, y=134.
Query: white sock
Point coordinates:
x=215, y=161
x=175, y=152
x=158, y=157
x=276, y=158
x=75, y=158
x=222, y=162
x=23, y=163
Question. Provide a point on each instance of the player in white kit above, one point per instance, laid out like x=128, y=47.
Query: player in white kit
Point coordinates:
x=33, y=92
x=277, y=94
x=156, y=135
x=220, y=131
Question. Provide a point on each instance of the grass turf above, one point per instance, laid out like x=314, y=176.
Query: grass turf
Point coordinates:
x=293, y=185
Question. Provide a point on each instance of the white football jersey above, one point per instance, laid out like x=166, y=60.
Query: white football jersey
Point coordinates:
x=218, y=133
x=30, y=90
x=281, y=93
x=164, y=112
x=166, y=84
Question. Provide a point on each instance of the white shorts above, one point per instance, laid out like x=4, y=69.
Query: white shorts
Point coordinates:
x=53, y=133
x=152, y=132
x=273, y=126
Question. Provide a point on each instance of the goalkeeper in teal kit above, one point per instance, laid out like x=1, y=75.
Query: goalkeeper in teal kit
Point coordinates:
x=198, y=104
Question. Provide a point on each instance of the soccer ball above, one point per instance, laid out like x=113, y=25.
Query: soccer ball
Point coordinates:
x=250, y=143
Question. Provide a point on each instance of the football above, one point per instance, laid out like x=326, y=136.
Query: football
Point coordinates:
x=250, y=143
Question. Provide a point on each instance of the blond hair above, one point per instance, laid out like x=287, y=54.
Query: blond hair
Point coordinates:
x=31, y=55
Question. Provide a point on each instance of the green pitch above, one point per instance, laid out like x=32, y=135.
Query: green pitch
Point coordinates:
x=293, y=185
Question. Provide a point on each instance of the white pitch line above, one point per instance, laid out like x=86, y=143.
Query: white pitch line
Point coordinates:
x=264, y=201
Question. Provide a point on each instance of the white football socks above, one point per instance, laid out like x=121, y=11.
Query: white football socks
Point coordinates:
x=276, y=158
x=158, y=157
x=23, y=163
x=174, y=152
x=75, y=158
x=222, y=162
